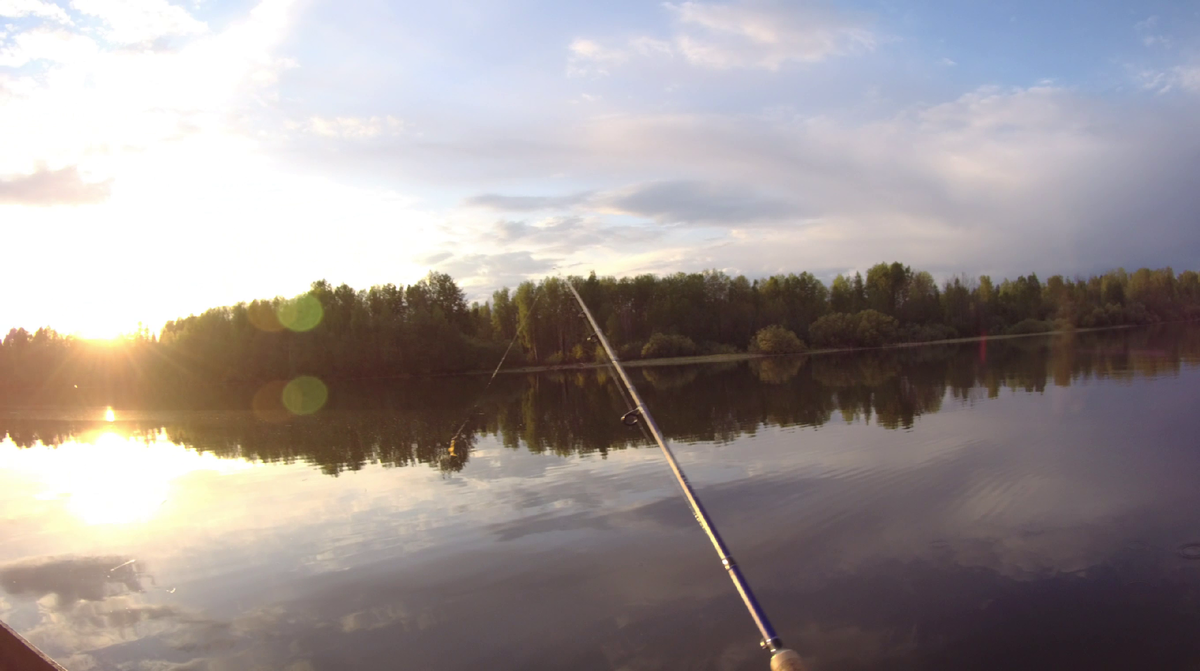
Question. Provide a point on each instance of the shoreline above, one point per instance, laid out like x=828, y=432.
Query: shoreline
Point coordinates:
x=746, y=356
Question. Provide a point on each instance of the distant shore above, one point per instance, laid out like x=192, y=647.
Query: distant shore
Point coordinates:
x=746, y=356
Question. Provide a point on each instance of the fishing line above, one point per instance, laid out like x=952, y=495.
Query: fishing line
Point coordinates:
x=782, y=659
x=537, y=293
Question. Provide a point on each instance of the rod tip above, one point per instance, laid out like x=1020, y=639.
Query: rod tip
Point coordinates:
x=787, y=660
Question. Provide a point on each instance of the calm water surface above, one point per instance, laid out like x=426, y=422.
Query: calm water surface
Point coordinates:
x=1024, y=504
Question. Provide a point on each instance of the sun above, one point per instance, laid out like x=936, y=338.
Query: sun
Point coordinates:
x=101, y=331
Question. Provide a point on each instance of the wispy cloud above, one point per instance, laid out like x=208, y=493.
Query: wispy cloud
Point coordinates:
x=52, y=187
x=40, y=8
x=18, y=9
x=53, y=45
x=663, y=201
x=479, y=273
x=502, y=203
x=140, y=21
x=698, y=202
x=1179, y=77
x=964, y=184
x=765, y=34
x=1151, y=33
x=348, y=127
x=588, y=57
x=748, y=34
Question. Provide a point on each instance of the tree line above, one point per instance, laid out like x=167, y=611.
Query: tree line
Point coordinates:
x=576, y=412
x=428, y=327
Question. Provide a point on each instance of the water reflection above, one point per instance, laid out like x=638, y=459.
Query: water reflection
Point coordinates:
x=1032, y=530
x=573, y=413
x=71, y=580
x=105, y=476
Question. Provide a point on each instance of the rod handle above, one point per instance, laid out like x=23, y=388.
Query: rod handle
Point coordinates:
x=787, y=660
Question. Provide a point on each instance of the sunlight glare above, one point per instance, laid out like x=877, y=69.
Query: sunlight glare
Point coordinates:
x=109, y=415
x=110, y=478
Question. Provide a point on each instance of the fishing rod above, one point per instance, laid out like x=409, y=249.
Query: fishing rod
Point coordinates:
x=782, y=659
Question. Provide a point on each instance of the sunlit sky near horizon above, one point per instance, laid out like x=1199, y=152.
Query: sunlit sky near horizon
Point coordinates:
x=160, y=158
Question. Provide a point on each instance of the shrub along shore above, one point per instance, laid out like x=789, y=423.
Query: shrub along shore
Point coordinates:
x=761, y=354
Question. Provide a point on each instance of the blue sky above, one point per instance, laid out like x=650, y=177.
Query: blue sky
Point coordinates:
x=161, y=158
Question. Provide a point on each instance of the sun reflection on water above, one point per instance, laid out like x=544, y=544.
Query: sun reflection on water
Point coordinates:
x=104, y=477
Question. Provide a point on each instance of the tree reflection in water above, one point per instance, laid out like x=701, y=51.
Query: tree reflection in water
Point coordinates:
x=576, y=412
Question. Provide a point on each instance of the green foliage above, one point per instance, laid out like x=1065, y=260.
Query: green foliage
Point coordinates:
x=393, y=330
x=846, y=295
x=778, y=370
x=875, y=329
x=663, y=345
x=630, y=351
x=717, y=348
x=868, y=328
x=776, y=339
x=886, y=287
x=577, y=353
x=1028, y=326
x=927, y=332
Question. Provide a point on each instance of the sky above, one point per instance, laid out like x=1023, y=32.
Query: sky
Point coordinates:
x=161, y=158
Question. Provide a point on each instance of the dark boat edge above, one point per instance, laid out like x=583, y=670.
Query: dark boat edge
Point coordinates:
x=17, y=654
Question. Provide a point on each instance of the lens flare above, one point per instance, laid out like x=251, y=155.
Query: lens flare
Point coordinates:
x=305, y=395
x=301, y=313
x=267, y=403
x=106, y=478
x=264, y=317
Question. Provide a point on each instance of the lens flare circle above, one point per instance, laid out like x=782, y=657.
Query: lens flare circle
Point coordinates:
x=300, y=314
x=305, y=395
x=267, y=403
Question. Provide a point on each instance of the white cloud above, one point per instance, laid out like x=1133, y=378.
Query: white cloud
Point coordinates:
x=139, y=21
x=503, y=203
x=1148, y=31
x=746, y=34
x=998, y=180
x=157, y=145
x=96, y=108
x=764, y=34
x=51, y=187
x=588, y=57
x=58, y=46
x=649, y=46
x=1180, y=77
x=39, y=8
x=347, y=127
x=590, y=50
x=697, y=202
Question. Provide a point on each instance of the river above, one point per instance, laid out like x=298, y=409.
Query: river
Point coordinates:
x=1029, y=503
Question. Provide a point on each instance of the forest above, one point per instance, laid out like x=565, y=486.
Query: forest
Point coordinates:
x=429, y=327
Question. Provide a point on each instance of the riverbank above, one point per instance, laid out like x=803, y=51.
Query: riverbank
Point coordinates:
x=746, y=356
